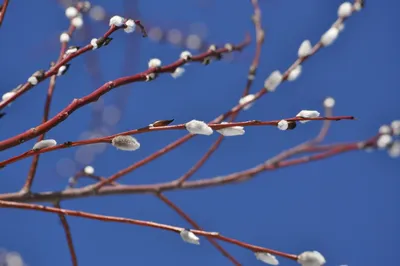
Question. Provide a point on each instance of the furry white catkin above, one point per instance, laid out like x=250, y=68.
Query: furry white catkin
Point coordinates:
x=125, y=143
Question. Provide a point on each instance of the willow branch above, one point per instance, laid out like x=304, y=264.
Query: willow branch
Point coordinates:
x=108, y=139
x=68, y=235
x=94, y=96
x=220, y=118
x=3, y=9
x=54, y=69
x=274, y=163
x=181, y=213
x=260, y=35
x=104, y=218
x=32, y=171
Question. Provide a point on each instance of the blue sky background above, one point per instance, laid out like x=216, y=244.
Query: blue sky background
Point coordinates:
x=346, y=207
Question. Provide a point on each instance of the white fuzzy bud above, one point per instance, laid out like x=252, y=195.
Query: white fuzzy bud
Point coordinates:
x=304, y=49
x=116, y=21
x=46, y=143
x=89, y=170
x=311, y=258
x=8, y=95
x=396, y=127
x=267, y=258
x=155, y=62
x=345, y=10
x=384, y=141
x=341, y=27
x=125, y=143
x=385, y=129
x=273, y=81
x=246, y=99
x=307, y=114
x=186, y=55
x=357, y=6
x=64, y=37
x=229, y=47
x=77, y=22
x=330, y=36
x=295, y=73
x=283, y=125
x=33, y=80
x=93, y=42
x=394, y=150
x=130, y=26
x=212, y=48
x=189, y=237
x=61, y=71
x=86, y=6
x=11, y=259
x=71, y=12
x=97, y=13
x=71, y=50
x=130, y=23
x=231, y=131
x=329, y=102
x=178, y=72
x=198, y=127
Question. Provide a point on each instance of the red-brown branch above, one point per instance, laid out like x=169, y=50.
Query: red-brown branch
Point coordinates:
x=196, y=226
x=54, y=69
x=32, y=171
x=94, y=96
x=220, y=118
x=170, y=147
x=3, y=9
x=260, y=34
x=108, y=139
x=68, y=235
x=278, y=161
x=104, y=218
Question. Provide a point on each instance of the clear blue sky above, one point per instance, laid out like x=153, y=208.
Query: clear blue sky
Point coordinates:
x=344, y=207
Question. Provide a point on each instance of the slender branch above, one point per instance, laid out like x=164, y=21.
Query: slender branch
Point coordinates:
x=32, y=171
x=325, y=128
x=108, y=139
x=274, y=163
x=173, y=145
x=220, y=118
x=104, y=218
x=260, y=35
x=54, y=69
x=196, y=226
x=109, y=186
x=74, y=179
x=68, y=235
x=3, y=9
x=94, y=96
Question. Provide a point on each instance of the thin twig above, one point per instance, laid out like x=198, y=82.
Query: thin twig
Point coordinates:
x=32, y=171
x=196, y=226
x=108, y=139
x=260, y=35
x=94, y=96
x=220, y=118
x=54, y=69
x=68, y=235
x=325, y=128
x=104, y=218
x=3, y=9
x=174, y=145
x=274, y=163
